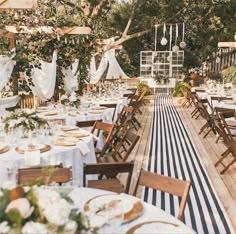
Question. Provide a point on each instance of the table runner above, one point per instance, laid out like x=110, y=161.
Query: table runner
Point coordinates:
x=172, y=153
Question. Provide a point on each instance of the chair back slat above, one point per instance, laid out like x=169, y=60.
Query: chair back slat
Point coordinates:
x=165, y=184
x=46, y=175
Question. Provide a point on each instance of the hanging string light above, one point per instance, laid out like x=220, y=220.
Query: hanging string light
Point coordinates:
x=164, y=40
x=183, y=43
x=170, y=36
x=155, y=37
x=175, y=48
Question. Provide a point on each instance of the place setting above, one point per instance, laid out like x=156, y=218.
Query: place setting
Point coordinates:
x=104, y=210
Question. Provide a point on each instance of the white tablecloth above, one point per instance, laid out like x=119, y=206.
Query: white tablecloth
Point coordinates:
x=151, y=213
x=68, y=156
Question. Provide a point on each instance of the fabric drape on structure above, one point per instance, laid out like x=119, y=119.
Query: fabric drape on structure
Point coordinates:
x=70, y=77
x=44, y=79
x=95, y=75
x=114, y=69
x=8, y=102
x=6, y=67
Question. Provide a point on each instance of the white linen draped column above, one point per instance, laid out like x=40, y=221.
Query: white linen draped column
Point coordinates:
x=114, y=69
x=44, y=79
x=6, y=66
x=70, y=77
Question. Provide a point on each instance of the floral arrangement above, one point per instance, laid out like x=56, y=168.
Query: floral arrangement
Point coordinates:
x=42, y=210
x=70, y=100
x=27, y=121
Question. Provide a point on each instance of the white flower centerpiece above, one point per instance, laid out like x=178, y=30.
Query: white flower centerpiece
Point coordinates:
x=70, y=100
x=42, y=210
x=23, y=120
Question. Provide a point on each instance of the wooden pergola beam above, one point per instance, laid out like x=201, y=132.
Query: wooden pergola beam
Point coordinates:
x=18, y=4
x=49, y=30
x=227, y=44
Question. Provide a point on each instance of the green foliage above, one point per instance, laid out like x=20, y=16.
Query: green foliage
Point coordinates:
x=177, y=91
x=229, y=74
x=140, y=86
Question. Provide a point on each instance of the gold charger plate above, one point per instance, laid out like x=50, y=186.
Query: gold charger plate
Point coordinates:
x=64, y=142
x=50, y=114
x=69, y=128
x=4, y=149
x=43, y=149
x=231, y=102
x=137, y=226
x=129, y=216
x=76, y=134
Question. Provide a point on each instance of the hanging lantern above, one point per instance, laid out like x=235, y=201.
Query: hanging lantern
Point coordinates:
x=164, y=41
x=175, y=48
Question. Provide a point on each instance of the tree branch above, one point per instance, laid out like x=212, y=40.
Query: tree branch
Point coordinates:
x=128, y=23
x=98, y=8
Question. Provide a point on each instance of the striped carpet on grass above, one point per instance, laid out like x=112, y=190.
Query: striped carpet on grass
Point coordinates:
x=172, y=153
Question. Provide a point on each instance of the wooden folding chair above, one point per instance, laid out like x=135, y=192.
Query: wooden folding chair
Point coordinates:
x=105, y=129
x=225, y=132
x=122, y=149
x=166, y=184
x=27, y=101
x=209, y=117
x=112, y=183
x=87, y=123
x=187, y=96
x=45, y=175
x=112, y=106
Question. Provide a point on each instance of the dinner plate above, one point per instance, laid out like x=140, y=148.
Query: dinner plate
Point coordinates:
x=41, y=147
x=132, y=207
x=99, y=108
x=154, y=227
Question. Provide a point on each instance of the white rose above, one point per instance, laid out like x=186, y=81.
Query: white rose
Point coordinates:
x=72, y=98
x=4, y=227
x=63, y=97
x=9, y=185
x=22, y=205
x=33, y=227
x=70, y=227
x=58, y=213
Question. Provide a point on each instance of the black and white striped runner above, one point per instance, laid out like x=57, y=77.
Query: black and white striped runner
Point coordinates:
x=172, y=153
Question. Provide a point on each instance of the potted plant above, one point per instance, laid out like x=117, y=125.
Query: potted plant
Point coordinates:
x=178, y=94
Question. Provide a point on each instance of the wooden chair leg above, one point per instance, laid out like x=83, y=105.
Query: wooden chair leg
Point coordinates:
x=227, y=167
x=203, y=127
x=224, y=155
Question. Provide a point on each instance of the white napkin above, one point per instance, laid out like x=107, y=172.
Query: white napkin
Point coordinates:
x=83, y=147
x=94, y=137
x=32, y=158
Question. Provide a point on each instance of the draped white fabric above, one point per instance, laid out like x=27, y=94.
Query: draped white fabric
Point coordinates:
x=8, y=102
x=6, y=67
x=114, y=69
x=70, y=77
x=44, y=79
x=95, y=75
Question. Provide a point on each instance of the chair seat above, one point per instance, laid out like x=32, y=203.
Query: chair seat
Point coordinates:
x=113, y=185
x=108, y=158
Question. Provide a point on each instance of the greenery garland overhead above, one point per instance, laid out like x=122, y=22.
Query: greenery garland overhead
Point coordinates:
x=32, y=47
